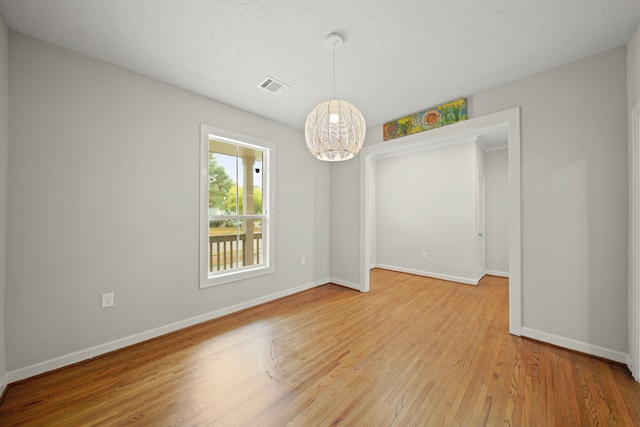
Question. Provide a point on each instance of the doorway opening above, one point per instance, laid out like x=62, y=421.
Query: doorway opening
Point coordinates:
x=506, y=123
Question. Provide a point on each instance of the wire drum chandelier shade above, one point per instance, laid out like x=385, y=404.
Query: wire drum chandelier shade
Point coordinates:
x=335, y=129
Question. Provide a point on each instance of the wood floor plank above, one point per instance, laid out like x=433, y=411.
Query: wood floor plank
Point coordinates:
x=413, y=351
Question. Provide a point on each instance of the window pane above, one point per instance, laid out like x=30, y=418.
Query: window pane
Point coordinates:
x=250, y=173
x=224, y=245
x=252, y=236
x=235, y=243
x=258, y=183
x=223, y=172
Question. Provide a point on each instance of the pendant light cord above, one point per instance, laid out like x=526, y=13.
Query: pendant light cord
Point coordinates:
x=334, y=70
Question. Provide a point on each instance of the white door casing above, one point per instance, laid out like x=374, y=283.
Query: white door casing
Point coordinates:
x=481, y=248
x=634, y=244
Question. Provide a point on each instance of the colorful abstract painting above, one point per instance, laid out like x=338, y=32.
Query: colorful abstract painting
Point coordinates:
x=441, y=115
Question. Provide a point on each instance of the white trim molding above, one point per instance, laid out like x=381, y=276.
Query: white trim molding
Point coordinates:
x=498, y=273
x=571, y=344
x=4, y=383
x=346, y=284
x=463, y=280
x=88, y=353
x=634, y=243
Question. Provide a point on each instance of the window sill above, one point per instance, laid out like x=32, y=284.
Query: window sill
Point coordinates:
x=234, y=276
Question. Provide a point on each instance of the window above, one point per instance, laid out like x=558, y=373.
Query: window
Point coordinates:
x=236, y=190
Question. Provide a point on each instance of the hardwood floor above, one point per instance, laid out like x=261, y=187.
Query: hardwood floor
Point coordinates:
x=413, y=351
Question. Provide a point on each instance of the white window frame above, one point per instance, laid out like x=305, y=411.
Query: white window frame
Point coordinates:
x=215, y=278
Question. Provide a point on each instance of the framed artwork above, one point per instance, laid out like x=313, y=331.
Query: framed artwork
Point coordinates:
x=434, y=117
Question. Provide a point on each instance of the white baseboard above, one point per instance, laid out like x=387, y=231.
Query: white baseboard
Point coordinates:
x=79, y=356
x=630, y=366
x=345, y=283
x=583, y=347
x=464, y=280
x=497, y=273
x=4, y=383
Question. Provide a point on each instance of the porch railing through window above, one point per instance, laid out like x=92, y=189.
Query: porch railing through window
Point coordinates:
x=228, y=251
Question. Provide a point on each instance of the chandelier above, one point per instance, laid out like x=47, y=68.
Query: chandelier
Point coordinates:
x=335, y=128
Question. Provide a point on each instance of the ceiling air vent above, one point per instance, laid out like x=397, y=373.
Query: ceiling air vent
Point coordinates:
x=274, y=86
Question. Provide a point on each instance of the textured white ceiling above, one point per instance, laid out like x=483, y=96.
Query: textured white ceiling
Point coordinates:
x=399, y=57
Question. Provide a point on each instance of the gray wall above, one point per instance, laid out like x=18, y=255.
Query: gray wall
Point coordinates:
x=574, y=198
x=633, y=69
x=497, y=180
x=345, y=221
x=4, y=143
x=103, y=197
x=426, y=202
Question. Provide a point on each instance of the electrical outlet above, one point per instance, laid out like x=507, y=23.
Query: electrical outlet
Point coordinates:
x=424, y=255
x=107, y=300
x=303, y=261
